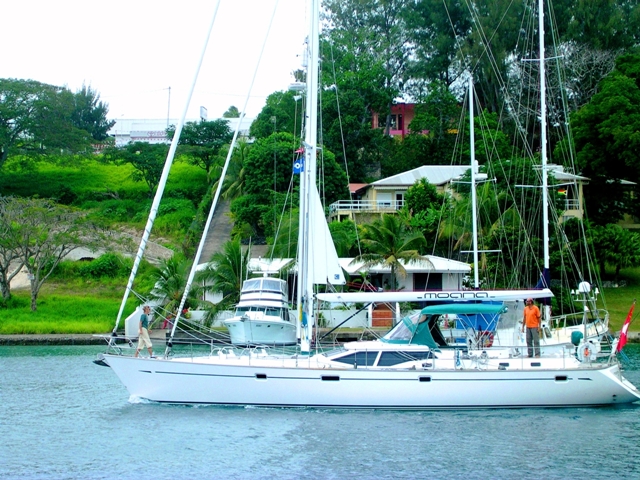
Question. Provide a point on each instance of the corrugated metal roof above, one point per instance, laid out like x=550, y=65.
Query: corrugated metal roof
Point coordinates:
x=435, y=174
x=558, y=172
x=442, y=174
x=434, y=264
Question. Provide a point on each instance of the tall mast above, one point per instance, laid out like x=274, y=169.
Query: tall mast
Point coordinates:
x=474, y=171
x=543, y=152
x=308, y=181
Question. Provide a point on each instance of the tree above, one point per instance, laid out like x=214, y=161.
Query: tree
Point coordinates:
x=345, y=238
x=45, y=234
x=601, y=24
x=367, y=48
x=269, y=164
x=423, y=206
x=202, y=141
x=226, y=271
x=282, y=112
x=607, y=141
x=616, y=246
x=36, y=119
x=232, y=112
x=456, y=38
x=170, y=281
x=10, y=265
x=268, y=173
x=437, y=32
x=374, y=33
x=388, y=242
x=146, y=158
x=347, y=129
x=247, y=213
x=90, y=114
x=285, y=238
x=422, y=196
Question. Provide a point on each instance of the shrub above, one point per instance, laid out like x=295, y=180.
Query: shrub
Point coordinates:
x=66, y=270
x=121, y=210
x=15, y=302
x=108, y=265
x=175, y=222
x=171, y=205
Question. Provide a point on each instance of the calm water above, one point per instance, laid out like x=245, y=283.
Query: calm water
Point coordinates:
x=62, y=417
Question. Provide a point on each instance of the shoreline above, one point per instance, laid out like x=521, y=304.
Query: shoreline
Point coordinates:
x=52, y=339
x=99, y=339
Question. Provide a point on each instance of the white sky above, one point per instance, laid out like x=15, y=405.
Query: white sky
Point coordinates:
x=131, y=51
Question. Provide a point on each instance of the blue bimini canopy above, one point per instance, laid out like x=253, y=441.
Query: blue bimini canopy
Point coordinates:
x=423, y=329
x=485, y=319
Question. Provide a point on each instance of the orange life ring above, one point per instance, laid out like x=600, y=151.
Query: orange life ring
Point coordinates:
x=586, y=352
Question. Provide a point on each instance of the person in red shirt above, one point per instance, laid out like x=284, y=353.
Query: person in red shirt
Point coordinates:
x=531, y=321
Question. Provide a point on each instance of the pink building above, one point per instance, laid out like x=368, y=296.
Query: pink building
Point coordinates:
x=401, y=116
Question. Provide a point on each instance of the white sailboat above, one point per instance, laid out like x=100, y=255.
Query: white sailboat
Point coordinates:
x=412, y=367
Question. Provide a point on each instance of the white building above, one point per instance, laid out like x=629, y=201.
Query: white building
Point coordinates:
x=128, y=130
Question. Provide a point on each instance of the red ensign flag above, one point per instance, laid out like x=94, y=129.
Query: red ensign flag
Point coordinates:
x=623, y=333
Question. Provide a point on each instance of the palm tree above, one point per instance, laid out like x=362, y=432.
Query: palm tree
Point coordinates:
x=390, y=243
x=225, y=274
x=170, y=282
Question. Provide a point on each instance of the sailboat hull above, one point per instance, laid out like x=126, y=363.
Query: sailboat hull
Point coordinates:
x=302, y=382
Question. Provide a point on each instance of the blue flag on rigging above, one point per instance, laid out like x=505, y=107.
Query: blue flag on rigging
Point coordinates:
x=298, y=165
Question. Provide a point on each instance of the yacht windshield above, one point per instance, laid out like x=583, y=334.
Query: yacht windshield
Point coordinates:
x=404, y=330
x=265, y=284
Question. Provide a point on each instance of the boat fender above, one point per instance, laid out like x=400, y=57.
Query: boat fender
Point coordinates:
x=586, y=352
x=483, y=359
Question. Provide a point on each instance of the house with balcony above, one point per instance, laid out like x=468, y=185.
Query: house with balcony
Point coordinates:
x=370, y=200
x=387, y=194
x=570, y=188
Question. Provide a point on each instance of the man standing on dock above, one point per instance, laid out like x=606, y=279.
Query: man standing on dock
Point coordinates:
x=143, y=332
x=531, y=321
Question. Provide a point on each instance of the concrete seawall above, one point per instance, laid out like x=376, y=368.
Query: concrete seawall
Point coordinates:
x=89, y=339
x=59, y=339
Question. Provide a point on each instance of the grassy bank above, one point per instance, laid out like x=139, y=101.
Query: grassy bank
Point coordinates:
x=619, y=301
x=89, y=307
x=108, y=193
